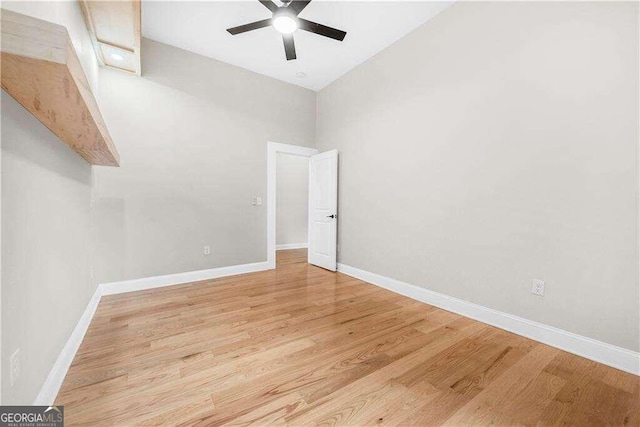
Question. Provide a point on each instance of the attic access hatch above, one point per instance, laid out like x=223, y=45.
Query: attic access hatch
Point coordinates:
x=41, y=70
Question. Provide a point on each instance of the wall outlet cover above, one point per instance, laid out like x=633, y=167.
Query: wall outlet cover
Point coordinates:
x=538, y=287
x=206, y=250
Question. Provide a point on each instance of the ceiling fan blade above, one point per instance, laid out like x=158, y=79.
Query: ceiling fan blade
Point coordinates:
x=323, y=30
x=298, y=5
x=289, y=46
x=269, y=5
x=249, y=27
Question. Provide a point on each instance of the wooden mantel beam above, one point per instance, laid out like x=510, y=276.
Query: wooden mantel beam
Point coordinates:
x=41, y=70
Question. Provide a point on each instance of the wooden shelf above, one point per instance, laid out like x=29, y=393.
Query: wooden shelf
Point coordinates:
x=41, y=70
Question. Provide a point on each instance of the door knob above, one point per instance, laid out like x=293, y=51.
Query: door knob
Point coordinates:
x=332, y=216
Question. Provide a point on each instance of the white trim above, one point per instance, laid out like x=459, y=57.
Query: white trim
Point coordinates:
x=52, y=384
x=608, y=354
x=286, y=246
x=180, y=278
x=273, y=148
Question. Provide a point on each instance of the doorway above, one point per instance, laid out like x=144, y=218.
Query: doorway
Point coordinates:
x=296, y=160
x=322, y=198
x=292, y=201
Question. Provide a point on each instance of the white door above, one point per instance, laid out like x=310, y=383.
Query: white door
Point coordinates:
x=323, y=209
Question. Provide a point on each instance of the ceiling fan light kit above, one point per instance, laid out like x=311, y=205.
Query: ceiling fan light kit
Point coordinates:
x=285, y=19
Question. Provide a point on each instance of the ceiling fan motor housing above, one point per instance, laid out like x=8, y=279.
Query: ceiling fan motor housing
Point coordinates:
x=285, y=12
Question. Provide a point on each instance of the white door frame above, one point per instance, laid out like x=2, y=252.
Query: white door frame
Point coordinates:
x=273, y=148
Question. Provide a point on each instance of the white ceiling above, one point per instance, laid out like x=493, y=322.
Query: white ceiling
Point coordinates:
x=371, y=26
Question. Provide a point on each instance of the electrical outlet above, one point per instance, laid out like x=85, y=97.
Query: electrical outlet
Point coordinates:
x=538, y=287
x=206, y=250
x=259, y=201
x=254, y=201
x=14, y=367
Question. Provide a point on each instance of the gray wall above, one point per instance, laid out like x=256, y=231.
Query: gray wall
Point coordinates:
x=494, y=145
x=192, y=134
x=292, y=198
x=46, y=222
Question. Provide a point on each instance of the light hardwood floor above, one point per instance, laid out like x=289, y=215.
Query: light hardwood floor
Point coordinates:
x=301, y=345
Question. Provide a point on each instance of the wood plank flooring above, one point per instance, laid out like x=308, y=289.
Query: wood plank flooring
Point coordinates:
x=303, y=346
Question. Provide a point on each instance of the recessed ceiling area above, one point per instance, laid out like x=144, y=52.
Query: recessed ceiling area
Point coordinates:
x=200, y=27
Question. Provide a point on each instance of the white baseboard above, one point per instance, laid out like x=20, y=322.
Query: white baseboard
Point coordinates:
x=291, y=246
x=608, y=354
x=180, y=278
x=52, y=384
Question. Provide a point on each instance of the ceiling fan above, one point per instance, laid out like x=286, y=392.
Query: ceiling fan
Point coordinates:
x=285, y=19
